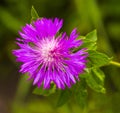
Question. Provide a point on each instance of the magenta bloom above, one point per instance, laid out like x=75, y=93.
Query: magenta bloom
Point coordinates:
x=48, y=56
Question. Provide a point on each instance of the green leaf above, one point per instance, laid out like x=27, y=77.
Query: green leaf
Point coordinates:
x=97, y=59
x=45, y=92
x=81, y=37
x=92, y=36
x=89, y=45
x=34, y=14
x=99, y=75
x=95, y=80
x=90, y=40
x=64, y=97
x=80, y=93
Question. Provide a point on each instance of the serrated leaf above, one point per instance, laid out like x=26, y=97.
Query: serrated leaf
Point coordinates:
x=92, y=36
x=81, y=37
x=34, y=14
x=45, y=92
x=99, y=75
x=89, y=45
x=64, y=97
x=95, y=80
x=90, y=40
x=97, y=59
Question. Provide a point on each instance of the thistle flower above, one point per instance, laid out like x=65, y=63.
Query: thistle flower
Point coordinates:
x=48, y=57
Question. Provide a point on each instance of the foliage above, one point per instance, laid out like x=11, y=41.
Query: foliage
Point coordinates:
x=34, y=14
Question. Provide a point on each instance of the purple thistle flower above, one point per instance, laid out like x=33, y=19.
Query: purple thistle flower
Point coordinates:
x=48, y=57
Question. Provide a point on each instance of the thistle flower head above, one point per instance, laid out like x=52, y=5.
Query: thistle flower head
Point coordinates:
x=48, y=57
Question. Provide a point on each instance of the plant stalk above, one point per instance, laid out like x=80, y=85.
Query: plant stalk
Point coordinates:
x=115, y=63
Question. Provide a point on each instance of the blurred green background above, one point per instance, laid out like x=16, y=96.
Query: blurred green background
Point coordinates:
x=16, y=93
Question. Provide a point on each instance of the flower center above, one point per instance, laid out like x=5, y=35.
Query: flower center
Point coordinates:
x=48, y=49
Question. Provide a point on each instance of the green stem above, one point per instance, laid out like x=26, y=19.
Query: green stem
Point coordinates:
x=115, y=63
